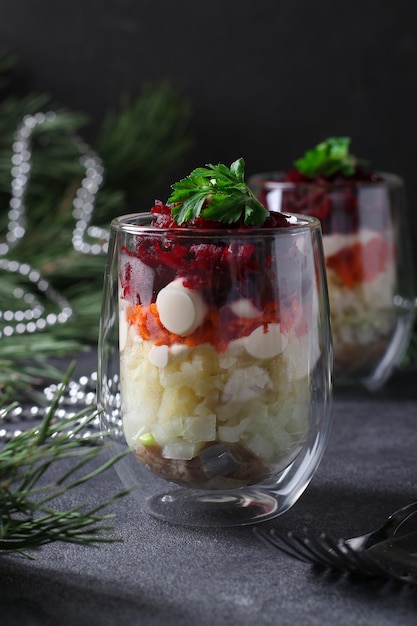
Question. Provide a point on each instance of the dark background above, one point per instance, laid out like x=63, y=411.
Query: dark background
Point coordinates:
x=267, y=79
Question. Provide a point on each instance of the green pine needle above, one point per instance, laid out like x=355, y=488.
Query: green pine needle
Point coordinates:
x=29, y=498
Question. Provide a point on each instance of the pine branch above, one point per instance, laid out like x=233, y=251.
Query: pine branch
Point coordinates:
x=26, y=367
x=28, y=519
x=142, y=142
x=138, y=146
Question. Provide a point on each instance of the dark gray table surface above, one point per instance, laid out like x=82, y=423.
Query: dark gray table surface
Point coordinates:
x=160, y=574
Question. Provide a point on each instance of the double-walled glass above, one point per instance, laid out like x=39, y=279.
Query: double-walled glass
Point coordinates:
x=215, y=367
x=366, y=239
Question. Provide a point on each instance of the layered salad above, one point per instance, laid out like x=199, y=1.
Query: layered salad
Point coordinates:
x=353, y=204
x=215, y=335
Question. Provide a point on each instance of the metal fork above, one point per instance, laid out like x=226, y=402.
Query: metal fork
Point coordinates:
x=353, y=555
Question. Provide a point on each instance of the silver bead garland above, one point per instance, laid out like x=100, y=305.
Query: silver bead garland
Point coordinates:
x=86, y=239
x=84, y=205
x=32, y=319
x=78, y=396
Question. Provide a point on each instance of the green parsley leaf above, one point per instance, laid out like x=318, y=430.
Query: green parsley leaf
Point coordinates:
x=218, y=193
x=328, y=158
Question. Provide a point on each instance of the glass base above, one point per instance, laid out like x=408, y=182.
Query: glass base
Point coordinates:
x=190, y=507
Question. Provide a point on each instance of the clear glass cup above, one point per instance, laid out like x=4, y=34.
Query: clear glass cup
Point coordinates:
x=215, y=367
x=366, y=239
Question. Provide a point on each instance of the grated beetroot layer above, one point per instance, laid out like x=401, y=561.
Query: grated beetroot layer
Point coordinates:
x=333, y=200
x=224, y=270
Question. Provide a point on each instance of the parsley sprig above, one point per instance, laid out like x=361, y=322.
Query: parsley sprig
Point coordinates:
x=218, y=193
x=328, y=158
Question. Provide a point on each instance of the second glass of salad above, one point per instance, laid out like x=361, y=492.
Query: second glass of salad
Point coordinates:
x=366, y=240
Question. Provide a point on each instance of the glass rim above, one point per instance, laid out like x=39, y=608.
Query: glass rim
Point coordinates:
x=271, y=180
x=138, y=223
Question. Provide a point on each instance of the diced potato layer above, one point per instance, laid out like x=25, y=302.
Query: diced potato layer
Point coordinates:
x=363, y=320
x=201, y=397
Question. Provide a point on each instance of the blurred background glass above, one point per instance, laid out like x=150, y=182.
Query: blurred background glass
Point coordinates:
x=367, y=245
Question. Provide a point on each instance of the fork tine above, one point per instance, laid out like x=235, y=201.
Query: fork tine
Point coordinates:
x=285, y=544
x=347, y=558
x=306, y=548
x=329, y=552
x=312, y=549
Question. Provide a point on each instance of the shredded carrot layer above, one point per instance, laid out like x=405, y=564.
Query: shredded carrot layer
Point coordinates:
x=361, y=263
x=219, y=327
